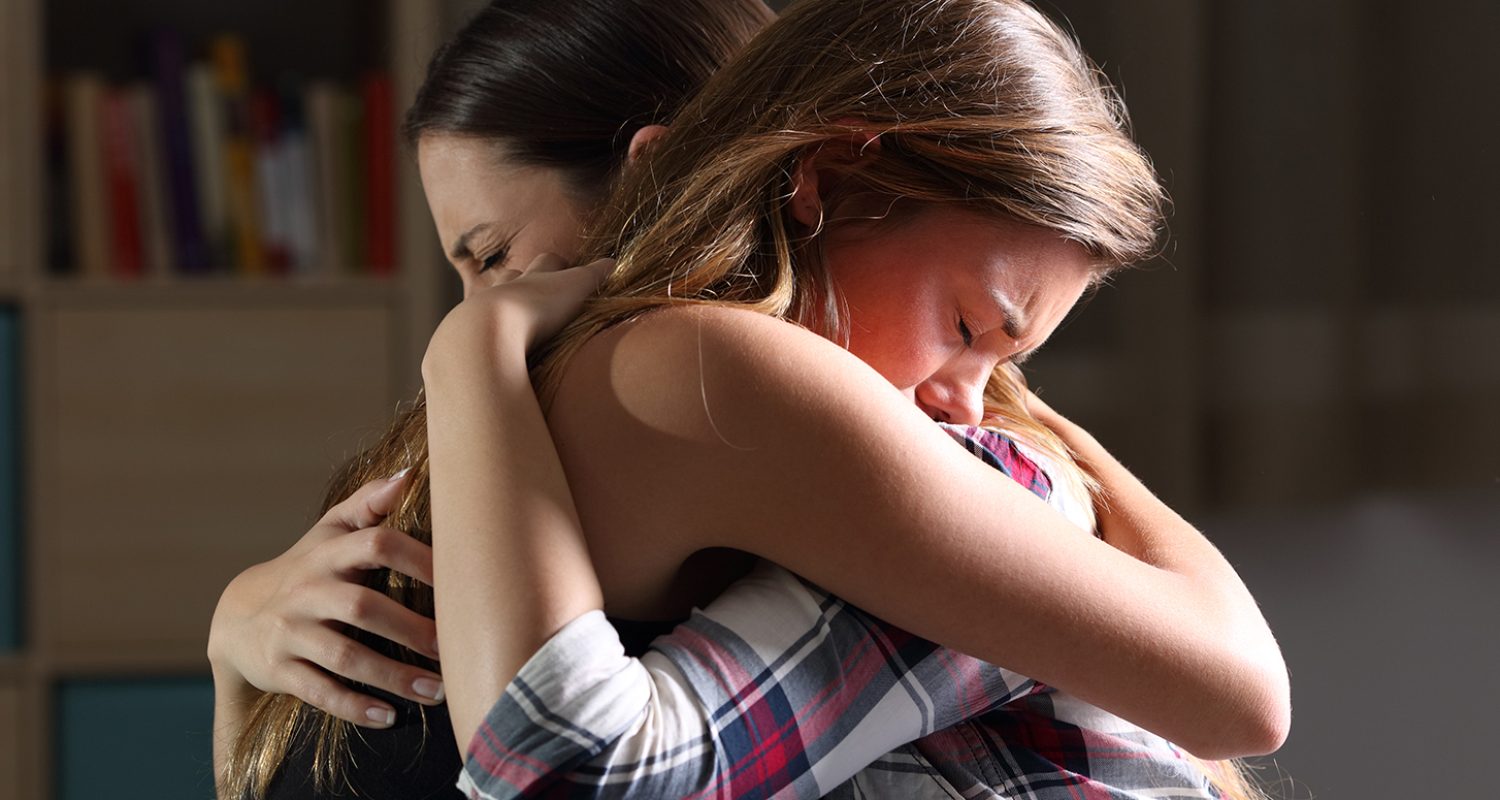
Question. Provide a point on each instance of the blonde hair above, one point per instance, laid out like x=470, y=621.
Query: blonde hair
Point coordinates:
x=981, y=103
x=984, y=104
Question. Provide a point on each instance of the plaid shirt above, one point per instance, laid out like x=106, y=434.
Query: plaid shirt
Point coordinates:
x=779, y=689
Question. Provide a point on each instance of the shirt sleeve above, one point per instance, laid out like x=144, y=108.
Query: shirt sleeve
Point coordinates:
x=776, y=689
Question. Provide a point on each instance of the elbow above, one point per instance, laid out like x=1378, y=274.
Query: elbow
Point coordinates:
x=1271, y=722
x=1257, y=723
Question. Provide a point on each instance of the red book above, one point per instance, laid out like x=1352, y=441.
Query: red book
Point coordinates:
x=265, y=124
x=121, y=184
x=380, y=174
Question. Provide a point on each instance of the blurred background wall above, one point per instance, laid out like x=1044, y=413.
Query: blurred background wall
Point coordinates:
x=1309, y=373
x=1319, y=379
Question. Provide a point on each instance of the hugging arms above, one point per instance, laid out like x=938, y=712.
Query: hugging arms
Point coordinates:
x=957, y=541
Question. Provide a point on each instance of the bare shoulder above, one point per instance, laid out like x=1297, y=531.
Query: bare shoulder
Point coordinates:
x=666, y=426
x=715, y=372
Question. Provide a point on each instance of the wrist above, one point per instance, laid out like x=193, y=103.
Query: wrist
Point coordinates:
x=474, y=337
x=228, y=680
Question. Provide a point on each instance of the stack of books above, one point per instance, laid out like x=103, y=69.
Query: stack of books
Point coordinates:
x=198, y=171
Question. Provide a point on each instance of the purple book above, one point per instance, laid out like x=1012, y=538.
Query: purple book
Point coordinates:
x=167, y=65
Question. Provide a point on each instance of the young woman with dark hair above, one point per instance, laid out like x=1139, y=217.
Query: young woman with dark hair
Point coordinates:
x=524, y=118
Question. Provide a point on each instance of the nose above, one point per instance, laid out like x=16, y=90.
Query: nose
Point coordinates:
x=956, y=394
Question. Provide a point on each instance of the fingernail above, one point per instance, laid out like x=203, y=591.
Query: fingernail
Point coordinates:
x=428, y=688
x=398, y=476
x=434, y=647
x=381, y=715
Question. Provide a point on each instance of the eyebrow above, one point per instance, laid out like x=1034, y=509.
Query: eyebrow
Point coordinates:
x=461, y=245
x=1015, y=319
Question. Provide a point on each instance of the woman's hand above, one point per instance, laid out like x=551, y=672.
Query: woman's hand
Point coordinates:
x=515, y=315
x=279, y=625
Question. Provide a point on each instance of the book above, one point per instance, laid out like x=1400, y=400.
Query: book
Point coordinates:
x=324, y=106
x=206, y=115
x=231, y=77
x=84, y=99
x=380, y=174
x=60, y=257
x=10, y=481
x=194, y=170
x=301, y=180
x=272, y=183
x=157, y=254
x=175, y=142
x=349, y=150
x=126, y=256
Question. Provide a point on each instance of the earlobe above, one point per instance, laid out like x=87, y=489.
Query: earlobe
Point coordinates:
x=642, y=139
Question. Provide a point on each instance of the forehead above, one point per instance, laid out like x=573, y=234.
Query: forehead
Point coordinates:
x=470, y=181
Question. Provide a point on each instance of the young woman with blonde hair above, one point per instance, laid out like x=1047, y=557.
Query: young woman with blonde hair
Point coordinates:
x=931, y=185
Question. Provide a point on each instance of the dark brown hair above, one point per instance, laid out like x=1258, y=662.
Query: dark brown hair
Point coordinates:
x=566, y=83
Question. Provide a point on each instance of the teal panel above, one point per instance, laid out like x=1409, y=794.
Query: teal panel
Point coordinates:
x=10, y=481
x=150, y=739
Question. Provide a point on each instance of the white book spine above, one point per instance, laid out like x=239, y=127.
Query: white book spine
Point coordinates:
x=156, y=226
x=206, y=120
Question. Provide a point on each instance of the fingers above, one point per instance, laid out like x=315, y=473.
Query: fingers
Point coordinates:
x=340, y=655
x=372, y=611
x=380, y=548
x=318, y=688
x=368, y=505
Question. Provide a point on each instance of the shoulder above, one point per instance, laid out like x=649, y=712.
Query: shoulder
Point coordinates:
x=692, y=366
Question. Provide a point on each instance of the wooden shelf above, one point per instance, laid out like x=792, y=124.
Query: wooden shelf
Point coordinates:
x=180, y=428
x=221, y=291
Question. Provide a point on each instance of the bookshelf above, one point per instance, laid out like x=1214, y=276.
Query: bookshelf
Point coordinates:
x=175, y=426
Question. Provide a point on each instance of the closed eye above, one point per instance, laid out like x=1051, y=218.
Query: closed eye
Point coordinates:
x=965, y=332
x=495, y=259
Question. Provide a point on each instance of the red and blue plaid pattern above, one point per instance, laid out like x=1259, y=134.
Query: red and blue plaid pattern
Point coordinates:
x=779, y=689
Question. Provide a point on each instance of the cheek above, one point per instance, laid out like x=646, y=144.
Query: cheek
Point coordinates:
x=899, y=340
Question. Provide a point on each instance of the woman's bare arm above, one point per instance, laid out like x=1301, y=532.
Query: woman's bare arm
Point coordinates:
x=495, y=472
x=742, y=431
x=745, y=432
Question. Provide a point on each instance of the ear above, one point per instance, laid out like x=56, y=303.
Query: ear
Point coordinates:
x=821, y=168
x=643, y=139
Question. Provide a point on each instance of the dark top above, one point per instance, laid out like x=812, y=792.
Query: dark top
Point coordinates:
x=416, y=758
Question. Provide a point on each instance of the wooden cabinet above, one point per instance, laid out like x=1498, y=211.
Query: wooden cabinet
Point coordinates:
x=176, y=429
x=180, y=440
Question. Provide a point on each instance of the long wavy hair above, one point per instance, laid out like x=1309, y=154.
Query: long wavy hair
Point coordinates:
x=979, y=103
x=985, y=105
x=562, y=84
